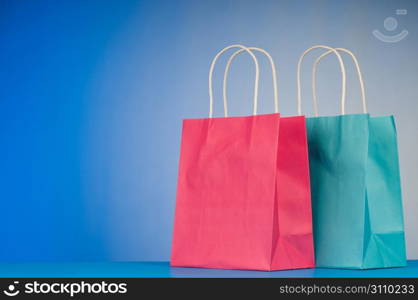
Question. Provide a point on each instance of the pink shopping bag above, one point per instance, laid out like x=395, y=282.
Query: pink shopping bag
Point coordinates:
x=243, y=199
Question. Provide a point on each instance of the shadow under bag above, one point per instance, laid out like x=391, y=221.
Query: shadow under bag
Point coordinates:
x=243, y=197
x=356, y=192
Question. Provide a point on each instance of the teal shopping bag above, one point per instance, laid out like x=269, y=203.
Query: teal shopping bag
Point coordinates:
x=356, y=192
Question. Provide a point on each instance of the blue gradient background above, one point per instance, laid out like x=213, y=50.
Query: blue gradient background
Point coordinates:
x=93, y=93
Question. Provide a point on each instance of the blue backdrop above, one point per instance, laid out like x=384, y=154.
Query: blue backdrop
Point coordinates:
x=93, y=93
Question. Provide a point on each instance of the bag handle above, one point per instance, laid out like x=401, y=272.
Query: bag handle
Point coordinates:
x=273, y=72
x=212, y=66
x=360, y=77
x=342, y=67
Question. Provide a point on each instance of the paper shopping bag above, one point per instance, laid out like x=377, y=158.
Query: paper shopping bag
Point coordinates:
x=235, y=207
x=356, y=195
